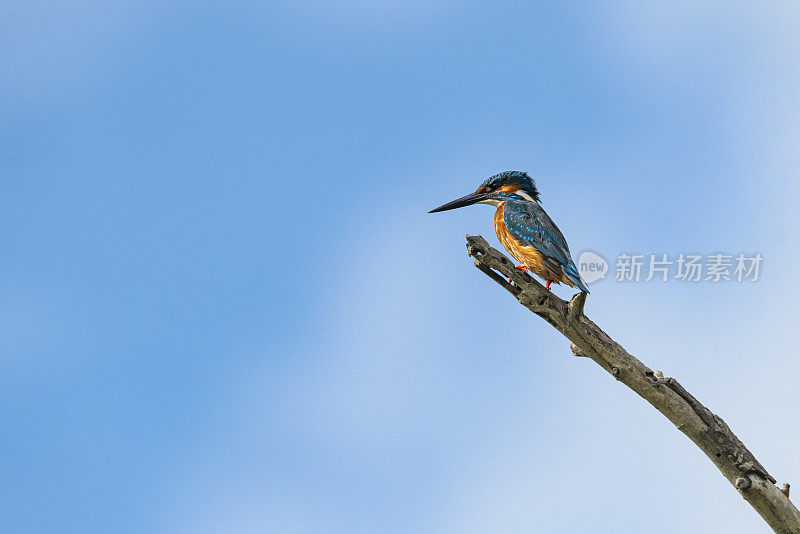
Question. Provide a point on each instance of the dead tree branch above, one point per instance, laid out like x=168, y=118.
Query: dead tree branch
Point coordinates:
x=707, y=430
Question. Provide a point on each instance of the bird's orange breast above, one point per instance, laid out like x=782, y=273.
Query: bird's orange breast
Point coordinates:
x=525, y=254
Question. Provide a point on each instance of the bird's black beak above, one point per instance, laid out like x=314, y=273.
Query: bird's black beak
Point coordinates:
x=468, y=200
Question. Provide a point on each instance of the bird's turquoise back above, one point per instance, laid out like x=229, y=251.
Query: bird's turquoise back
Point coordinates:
x=529, y=224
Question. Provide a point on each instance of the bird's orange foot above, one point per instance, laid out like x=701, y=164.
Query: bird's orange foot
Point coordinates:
x=521, y=268
x=547, y=286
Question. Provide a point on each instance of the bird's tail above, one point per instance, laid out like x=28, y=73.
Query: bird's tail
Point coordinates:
x=572, y=273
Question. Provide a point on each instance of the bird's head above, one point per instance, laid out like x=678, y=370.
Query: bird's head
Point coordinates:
x=507, y=185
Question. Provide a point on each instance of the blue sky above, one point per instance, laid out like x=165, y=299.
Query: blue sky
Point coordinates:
x=225, y=309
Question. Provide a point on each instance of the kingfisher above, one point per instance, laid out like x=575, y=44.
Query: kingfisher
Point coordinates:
x=524, y=228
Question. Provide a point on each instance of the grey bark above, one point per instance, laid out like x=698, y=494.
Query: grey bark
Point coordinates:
x=707, y=430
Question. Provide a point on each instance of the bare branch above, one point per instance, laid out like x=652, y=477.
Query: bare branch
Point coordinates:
x=707, y=430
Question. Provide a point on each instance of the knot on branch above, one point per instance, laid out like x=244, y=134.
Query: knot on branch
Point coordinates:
x=576, y=304
x=576, y=351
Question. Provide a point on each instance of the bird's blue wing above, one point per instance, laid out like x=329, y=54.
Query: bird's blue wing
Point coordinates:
x=531, y=225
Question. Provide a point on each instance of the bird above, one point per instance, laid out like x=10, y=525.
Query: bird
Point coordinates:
x=524, y=228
